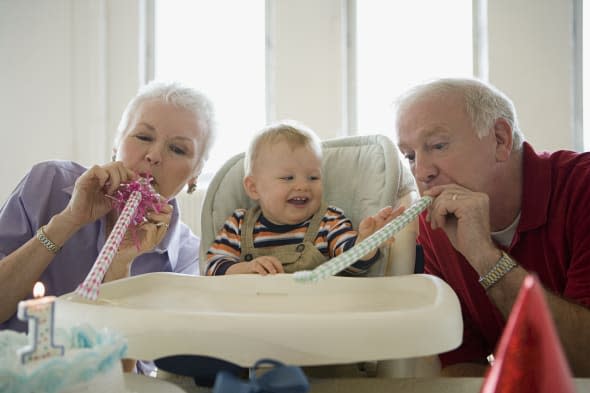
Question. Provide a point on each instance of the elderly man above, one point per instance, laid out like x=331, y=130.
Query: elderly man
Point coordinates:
x=501, y=211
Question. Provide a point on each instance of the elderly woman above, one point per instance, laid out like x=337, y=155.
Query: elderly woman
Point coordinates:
x=56, y=221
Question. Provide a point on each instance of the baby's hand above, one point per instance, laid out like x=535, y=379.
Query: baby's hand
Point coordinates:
x=372, y=224
x=261, y=265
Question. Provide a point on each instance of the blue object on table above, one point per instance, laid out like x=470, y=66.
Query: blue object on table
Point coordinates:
x=203, y=369
x=280, y=379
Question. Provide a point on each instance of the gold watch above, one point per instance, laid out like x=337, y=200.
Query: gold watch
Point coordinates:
x=503, y=266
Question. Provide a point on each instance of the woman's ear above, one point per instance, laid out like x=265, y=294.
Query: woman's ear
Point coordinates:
x=250, y=187
x=503, y=134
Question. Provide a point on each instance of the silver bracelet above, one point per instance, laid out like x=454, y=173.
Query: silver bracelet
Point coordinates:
x=51, y=246
x=503, y=266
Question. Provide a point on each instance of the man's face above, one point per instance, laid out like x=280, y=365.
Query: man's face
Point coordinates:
x=438, y=139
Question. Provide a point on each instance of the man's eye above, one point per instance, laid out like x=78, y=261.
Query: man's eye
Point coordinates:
x=439, y=146
x=410, y=156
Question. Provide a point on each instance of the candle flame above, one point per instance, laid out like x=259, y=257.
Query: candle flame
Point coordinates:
x=38, y=289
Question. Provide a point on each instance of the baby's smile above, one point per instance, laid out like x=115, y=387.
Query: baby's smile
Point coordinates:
x=299, y=201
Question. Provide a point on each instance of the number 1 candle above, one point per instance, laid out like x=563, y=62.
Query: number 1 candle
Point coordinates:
x=40, y=314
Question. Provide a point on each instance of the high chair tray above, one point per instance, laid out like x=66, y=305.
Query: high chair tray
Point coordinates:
x=243, y=318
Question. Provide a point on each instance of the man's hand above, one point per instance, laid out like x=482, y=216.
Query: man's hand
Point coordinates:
x=464, y=216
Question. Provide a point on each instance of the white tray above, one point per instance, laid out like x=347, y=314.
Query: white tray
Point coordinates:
x=243, y=318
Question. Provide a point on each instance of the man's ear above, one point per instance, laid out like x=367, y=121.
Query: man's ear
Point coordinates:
x=503, y=134
x=250, y=187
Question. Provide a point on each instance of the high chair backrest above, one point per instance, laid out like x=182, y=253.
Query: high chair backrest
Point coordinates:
x=361, y=174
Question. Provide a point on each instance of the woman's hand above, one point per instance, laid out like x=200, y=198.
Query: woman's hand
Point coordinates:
x=89, y=202
x=146, y=236
x=261, y=265
x=139, y=240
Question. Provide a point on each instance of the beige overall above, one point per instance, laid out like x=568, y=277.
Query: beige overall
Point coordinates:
x=294, y=257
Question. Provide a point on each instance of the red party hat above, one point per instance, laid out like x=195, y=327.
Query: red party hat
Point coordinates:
x=529, y=357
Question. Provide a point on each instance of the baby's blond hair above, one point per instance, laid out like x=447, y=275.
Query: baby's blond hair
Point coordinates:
x=294, y=133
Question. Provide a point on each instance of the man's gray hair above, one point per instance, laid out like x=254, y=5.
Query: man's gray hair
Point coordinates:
x=181, y=96
x=483, y=102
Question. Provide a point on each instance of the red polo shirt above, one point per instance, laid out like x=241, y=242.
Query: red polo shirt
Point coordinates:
x=552, y=240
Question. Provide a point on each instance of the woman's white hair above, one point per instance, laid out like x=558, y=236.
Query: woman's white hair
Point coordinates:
x=181, y=96
x=293, y=132
x=483, y=102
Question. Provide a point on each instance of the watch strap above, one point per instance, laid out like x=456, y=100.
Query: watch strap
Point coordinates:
x=503, y=266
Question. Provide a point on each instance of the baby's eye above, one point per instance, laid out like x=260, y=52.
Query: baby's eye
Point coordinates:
x=287, y=178
x=314, y=178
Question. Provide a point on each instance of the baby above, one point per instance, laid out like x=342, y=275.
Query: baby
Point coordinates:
x=291, y=228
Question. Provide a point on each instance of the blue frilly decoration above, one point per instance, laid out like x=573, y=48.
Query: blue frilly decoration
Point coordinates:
x=280, y=379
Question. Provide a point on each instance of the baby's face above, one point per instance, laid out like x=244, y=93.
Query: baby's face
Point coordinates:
x=286, y=181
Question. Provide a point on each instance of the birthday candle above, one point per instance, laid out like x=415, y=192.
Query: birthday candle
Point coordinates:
x=90, y=286
x=40, y=314
x=344, y=260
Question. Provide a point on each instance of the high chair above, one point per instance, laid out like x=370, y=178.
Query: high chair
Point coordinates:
x=361, y=175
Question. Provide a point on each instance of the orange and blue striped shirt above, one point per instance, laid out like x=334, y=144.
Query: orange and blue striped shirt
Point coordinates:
x=335, y=236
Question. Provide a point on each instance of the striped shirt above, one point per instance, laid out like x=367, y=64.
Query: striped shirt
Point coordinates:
x=335, y=236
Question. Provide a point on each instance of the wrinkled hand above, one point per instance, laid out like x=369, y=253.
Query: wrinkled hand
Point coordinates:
x=261, y=265
x=147, y=235
x=464, y=216
x=89, y=202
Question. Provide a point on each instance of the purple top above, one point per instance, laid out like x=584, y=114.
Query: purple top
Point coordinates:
x=44, y=192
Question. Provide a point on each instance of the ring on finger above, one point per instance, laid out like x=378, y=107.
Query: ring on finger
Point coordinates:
x=165, y=225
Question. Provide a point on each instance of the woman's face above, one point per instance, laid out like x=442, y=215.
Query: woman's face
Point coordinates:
x=165, y=141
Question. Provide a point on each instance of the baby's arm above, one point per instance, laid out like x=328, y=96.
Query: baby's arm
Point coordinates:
x=225, y=250
x=372, y=224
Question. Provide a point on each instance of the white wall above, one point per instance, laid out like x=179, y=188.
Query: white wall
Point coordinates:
x=308, y=59
x=36, y=94
x=531, y=60
x=69, y=66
